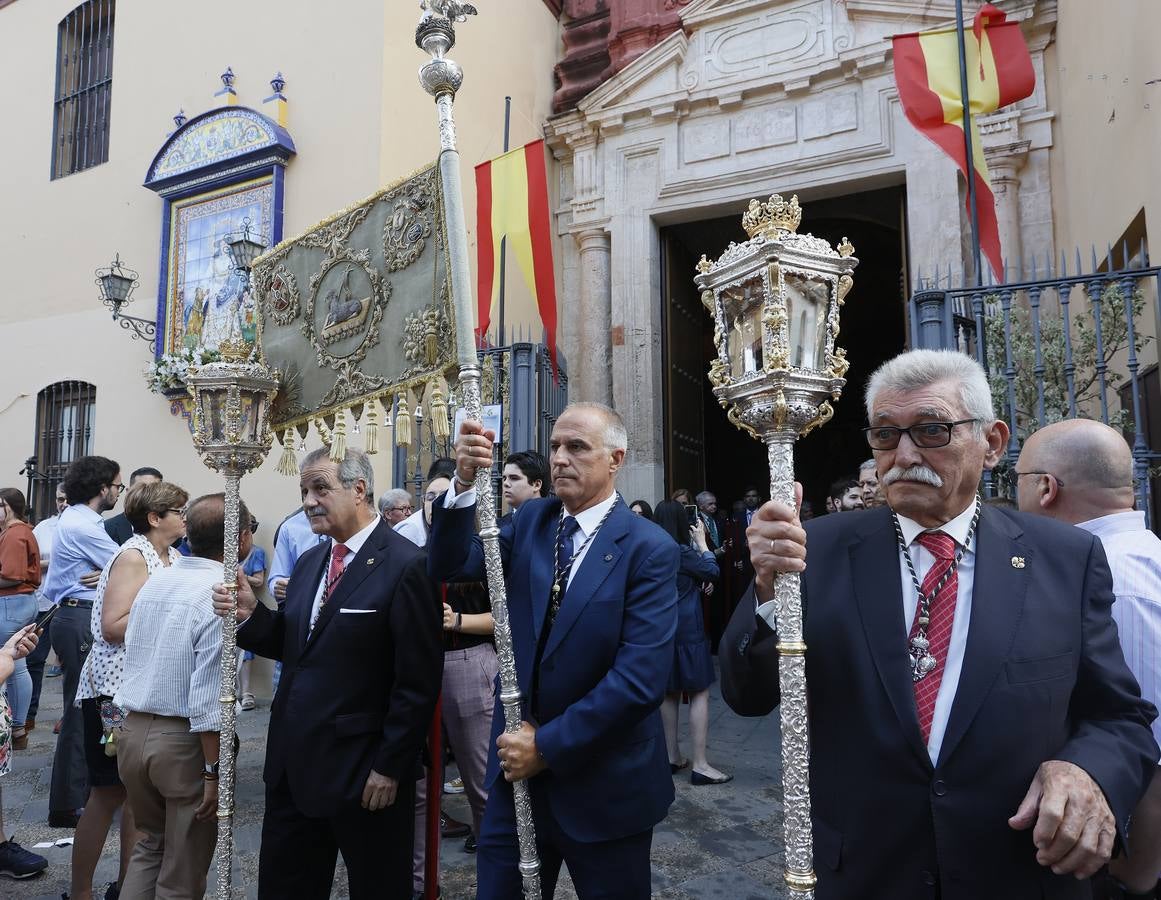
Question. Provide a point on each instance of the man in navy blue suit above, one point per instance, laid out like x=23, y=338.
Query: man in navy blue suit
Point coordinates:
x=592, y=600
x=974, y=729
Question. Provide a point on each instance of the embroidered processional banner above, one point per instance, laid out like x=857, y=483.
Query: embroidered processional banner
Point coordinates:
x=357, y=311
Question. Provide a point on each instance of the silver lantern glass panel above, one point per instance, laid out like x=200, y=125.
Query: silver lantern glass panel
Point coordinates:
x=231, y=432
x=775, y=300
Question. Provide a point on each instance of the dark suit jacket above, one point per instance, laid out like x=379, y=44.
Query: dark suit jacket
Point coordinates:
x=359, y=693
x=605, y=665
x=1043, y=678
x=119, y=528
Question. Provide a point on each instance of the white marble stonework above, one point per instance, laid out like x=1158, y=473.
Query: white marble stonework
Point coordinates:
x=749, y=98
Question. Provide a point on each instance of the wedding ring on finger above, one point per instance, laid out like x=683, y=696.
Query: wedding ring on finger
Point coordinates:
x=772, y=545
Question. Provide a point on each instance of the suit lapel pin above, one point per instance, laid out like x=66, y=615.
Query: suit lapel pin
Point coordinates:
x=1017, y=562
x=608, y=557
x=370, y=560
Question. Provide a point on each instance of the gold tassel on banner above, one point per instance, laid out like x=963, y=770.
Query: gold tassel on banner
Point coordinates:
x=437, y=406
x=402, y=424
x=288, y=464
x=371, y=438
x=339, y=441
x=324, y=432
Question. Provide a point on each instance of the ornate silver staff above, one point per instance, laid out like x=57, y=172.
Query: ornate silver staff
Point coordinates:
x=231, y=432
x=441, y=77
x=775, y=303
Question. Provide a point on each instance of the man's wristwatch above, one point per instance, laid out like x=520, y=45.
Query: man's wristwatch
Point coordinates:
x=210, y=771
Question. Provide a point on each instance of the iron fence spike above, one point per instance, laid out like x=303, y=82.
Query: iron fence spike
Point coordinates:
x=1033, y=266
x=1125, y=254
x=1079, y=268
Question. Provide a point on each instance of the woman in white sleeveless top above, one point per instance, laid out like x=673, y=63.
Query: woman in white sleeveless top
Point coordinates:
x=156, y=512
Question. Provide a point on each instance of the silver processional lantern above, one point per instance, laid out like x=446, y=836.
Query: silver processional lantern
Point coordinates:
x=231, y=432
x=775, y=303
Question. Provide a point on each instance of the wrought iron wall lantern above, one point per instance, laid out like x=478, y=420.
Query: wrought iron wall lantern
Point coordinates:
x=243, y=248
x=116, y=284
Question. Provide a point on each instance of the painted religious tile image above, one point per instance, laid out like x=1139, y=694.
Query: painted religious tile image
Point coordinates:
x=207, y=301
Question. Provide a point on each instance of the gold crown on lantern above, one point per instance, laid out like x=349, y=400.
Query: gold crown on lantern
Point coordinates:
x=775, y=216
x=234, y=351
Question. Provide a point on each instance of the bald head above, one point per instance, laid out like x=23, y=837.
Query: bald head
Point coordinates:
x=1091, y=468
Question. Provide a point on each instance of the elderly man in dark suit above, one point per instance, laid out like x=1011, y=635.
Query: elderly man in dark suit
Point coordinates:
x=593, y=607
x=360, y=641
x=974, y=729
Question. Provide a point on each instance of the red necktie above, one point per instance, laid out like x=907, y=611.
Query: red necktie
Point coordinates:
x=942, y=616
x=338, y=554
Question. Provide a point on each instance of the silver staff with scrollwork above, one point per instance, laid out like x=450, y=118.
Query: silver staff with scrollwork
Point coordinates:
x=231, y=432
x=441, y=78
x=775, y=302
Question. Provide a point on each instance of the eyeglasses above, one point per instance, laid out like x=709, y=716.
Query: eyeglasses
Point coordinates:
x=118, y=485
x=1012, y=478
x=403, y=508
x=180, y=512
x=927, y=435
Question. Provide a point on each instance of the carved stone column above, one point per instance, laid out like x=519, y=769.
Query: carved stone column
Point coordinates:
x=589, y=377
x=1004, y=165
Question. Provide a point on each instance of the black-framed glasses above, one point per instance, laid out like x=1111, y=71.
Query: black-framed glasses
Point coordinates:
x=927, y=435
x=1012, y=478
x=119, y=485
x=407, y=508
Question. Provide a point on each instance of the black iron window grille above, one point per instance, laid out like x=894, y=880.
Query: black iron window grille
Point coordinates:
x=84, y=84
x=65, y=417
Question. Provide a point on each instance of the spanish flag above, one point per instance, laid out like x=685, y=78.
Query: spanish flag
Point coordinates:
x=512, y=202
x=999, y=72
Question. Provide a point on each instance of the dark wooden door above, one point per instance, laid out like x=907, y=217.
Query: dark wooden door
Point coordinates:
x=686, y=323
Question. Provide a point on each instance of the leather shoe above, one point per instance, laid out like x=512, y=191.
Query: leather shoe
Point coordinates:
x=63, y=818
x=452, y=828
x=695, y=777
x=470, y=844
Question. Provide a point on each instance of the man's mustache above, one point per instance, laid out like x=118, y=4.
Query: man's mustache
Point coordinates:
x=315, y=511
x=922, y=474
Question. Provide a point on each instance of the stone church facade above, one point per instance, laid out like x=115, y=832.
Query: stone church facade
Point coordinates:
x=693, y=108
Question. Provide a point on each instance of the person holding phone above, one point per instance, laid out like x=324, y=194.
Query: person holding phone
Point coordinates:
x=15, y=861
x=693, y=666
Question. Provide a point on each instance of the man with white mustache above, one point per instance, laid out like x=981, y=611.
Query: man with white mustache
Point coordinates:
x=975, y=731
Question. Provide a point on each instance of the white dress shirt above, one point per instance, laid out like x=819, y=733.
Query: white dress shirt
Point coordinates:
x=413, y=528
x=957, y=528
x=353, y=544
x=173, y=646
x=1134, y=555
x=587, y=521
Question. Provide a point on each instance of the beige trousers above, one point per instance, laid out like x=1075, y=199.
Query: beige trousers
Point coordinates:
x=161, y=765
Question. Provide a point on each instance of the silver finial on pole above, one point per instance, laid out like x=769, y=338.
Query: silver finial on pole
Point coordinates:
x=441, y=77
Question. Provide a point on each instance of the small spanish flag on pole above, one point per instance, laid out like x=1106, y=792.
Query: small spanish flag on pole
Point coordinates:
x=945, y=80
x=512, y=202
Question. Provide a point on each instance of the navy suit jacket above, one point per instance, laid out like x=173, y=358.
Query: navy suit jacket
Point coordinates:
x=359, y=692
x=1043, y=678
x=605, y=664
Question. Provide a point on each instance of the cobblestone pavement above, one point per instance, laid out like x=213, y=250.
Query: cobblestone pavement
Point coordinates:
x=718, y=842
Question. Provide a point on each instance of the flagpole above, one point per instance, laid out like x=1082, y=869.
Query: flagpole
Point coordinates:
x=967, y=143
x=504, y=239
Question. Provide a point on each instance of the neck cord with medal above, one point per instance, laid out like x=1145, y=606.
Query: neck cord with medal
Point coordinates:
x=922, y=660
x=559, y=573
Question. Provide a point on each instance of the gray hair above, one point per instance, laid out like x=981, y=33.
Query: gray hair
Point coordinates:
x=356, y=465
x=393, y=497
x=869, y=464
x=705, y=497
x=616, y=435
x=921, y=368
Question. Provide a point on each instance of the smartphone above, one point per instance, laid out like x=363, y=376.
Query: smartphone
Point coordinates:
x=691, y=514
x=45, y=619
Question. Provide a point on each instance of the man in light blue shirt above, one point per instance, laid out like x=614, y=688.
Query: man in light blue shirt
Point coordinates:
x=81, y=550
x=1081, y=471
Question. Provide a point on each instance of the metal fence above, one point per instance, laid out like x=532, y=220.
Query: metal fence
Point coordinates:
x=518, y=378
x=1064, y=345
